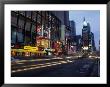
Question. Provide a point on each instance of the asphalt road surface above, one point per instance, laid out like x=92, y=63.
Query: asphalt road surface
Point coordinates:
x=83, y=67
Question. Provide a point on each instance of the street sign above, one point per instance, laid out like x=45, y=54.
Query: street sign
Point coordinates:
x=27, y=47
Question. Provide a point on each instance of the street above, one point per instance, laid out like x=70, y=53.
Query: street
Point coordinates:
x=56, y=67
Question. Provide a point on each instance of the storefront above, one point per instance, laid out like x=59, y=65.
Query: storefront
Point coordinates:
x=41, y=41
x=57, y=45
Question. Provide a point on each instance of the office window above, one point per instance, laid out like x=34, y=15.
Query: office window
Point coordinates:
x=21, y=22
x=85, y=36
x=47, y=25
x=27, y=32
x=53, y=20
x=22, y=12
x=28, y=14
x=33, y=28
x=34, y=16
x=44, y=25
x=16, y=11
x=45, y=28
x=19, y=35
x=28, y=37
x=33, y=33
x=28, y=25
x=43, y=14
x=49, y=17
x=13, y=19
x=13, y=34
x=39, y=12
x=39, y=30
x=46, y=15
x=38, y=18
x=39, y=25
x=57, y=32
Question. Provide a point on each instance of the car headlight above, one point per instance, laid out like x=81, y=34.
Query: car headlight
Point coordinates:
x=90, y=56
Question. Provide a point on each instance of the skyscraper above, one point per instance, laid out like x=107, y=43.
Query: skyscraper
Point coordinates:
x=73, y=28
x=88, y=43
x=93, y=48
x=73, y=32
x=85, y=35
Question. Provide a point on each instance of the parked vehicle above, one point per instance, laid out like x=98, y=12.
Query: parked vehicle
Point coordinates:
x=49, y=51
x=28, y=51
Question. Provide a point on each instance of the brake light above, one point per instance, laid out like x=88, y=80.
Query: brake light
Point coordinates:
x=41, y=49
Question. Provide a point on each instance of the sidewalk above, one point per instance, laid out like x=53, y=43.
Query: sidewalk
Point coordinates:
x=34, y=57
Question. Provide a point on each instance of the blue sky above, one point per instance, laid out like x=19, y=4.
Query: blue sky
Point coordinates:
x=91, y=16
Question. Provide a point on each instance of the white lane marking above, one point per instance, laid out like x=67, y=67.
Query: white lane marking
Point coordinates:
x=86, y=66
x=42, y=65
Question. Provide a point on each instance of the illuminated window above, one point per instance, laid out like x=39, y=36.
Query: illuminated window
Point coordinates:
x=39, y=32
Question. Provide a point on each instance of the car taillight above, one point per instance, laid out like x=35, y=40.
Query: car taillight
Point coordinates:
x=41, y=49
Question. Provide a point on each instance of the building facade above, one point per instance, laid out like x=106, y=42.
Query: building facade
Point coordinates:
x=38, y=28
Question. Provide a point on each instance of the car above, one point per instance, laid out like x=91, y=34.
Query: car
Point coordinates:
x=48, y=49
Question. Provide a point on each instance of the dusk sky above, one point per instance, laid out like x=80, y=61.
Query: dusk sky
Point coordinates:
x=91, y=16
